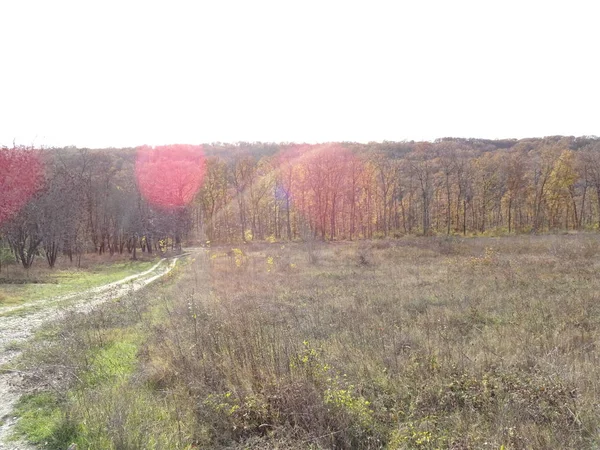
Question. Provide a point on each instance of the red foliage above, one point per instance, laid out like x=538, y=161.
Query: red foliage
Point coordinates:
x=316, y=178
x=169, y=176
x=21, y=176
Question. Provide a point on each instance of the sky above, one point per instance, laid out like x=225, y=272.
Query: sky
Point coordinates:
x=127, y=73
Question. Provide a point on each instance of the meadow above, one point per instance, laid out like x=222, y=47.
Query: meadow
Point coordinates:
x=411, y=343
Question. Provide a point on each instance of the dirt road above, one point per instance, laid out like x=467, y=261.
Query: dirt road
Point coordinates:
x=22, y=321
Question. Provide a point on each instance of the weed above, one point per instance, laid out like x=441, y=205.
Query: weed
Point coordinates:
x=428, y=343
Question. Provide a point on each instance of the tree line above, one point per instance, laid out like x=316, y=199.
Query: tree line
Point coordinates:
x=70, y=201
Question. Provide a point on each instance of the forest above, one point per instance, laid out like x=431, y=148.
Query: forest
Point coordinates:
x=395, y=295
x=72, y=201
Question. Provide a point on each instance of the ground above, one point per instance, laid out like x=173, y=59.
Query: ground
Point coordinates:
x=438, y=342
x=29, y=308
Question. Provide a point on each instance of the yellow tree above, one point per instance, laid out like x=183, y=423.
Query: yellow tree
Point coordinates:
x=514, y=169
x=561, y=189
x=213, y=197
x=543, y=160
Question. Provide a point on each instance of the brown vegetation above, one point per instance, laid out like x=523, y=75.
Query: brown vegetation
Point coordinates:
x=119, y=201
x=411, y=343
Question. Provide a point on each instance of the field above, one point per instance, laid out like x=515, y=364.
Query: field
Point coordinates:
x=413, y=343
x=18, y=285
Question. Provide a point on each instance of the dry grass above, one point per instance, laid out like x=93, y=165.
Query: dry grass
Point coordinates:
x=411, y=343
x=453, y=343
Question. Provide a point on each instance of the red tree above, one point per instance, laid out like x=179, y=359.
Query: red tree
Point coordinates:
x=315, y=178
x=21, y=176
x=170, y=176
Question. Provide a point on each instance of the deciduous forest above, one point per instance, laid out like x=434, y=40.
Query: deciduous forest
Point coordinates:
x=69, y=201
x=397, y=295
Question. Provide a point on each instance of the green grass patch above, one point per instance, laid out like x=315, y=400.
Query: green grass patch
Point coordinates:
x=43, y=421
x=57, y=422
x=63, y=282
x=113, y=364
x=104, y=405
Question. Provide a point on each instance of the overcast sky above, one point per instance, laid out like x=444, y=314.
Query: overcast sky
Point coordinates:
x=126, y=73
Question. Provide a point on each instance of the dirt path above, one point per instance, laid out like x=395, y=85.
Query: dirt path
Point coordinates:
x=17, y=328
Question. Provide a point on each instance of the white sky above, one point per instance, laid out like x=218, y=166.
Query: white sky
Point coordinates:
x=126, y=73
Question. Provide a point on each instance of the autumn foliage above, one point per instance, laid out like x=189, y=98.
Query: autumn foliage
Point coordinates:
x=319, y=180
x=21, y=176
x=114, y=200
x=169, y=176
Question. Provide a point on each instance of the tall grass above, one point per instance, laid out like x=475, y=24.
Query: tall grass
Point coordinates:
x=413, y=343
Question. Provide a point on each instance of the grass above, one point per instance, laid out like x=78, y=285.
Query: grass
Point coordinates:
x=42, y=419
x=87, y=365
x=42, y=415
x=405, y=344
x=42, y=283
